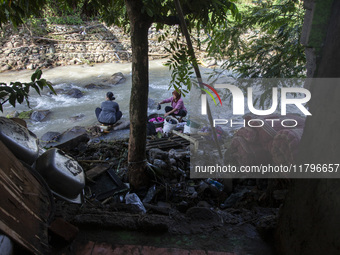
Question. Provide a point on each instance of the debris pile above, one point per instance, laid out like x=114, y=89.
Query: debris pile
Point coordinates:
x=172, y=203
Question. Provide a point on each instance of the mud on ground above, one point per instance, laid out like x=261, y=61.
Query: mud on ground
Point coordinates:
x=183, y=212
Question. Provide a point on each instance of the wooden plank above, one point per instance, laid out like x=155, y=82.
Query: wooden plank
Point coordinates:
x=174, y=141
x=166, y=140
x=168, y=145
x=159, y=141
x=97, y=170
x=24, y=204
x=191, y=139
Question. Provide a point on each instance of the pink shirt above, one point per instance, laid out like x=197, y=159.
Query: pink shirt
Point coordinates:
x=179, y=105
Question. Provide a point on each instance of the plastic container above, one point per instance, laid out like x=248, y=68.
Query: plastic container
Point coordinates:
x=156, y=115
x=216, y=184
x=19, y=140
x=170, y=124
x=63, y=174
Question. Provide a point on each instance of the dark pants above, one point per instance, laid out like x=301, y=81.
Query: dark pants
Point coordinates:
x=181, y=112
x=119, y=114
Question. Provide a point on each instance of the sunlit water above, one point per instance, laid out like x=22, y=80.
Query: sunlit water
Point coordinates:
x=64, y=109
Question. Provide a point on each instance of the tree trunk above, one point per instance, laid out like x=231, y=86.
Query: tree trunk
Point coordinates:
x=140, y=24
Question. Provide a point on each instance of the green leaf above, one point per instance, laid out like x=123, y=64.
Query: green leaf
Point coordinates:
x=36, y=88
x=39, y=73
x=149, y=12
x=41, y=83
x=51, y=88
x=34, y=76
x=12, y=99
x=3, y=94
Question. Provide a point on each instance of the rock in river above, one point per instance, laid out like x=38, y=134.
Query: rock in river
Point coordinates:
x=116, y=78
x=39, y=115
x=96, y=86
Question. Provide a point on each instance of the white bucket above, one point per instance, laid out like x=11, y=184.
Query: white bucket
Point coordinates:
x=168, y=127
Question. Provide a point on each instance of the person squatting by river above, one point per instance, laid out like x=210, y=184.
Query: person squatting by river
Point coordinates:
x=109, y=112
x=177, y=107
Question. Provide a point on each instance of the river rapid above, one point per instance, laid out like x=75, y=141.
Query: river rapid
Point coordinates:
x=67, y=112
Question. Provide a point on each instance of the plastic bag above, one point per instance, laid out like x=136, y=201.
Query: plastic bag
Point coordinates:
x=151, y=193
x=134, y=200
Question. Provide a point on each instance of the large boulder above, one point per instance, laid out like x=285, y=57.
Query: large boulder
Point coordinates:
x=96, y=86
x=75, y=93
x=116, y=78
x=72, y=92
x=49, y=138
x=66, y=141
x=39, y=115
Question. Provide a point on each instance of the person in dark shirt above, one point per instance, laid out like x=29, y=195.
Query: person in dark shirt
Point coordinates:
x=109, y=112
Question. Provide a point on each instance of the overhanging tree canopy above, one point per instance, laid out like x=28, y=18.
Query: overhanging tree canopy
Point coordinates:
x=141, y=15
x=137, y=16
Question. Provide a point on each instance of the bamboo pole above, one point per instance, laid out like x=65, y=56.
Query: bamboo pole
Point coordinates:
x=196, y=68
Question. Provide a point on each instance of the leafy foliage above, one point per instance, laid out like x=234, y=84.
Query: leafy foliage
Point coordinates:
x=181, y=65
x=16, y=11
x=266, y=43
x=19, y=92
x=111, y=12
x=206, y=16
x=261, y=41
x=36, y=26
x=263, y=44
x=65, y=20
x=54, y=11
x=66, y=12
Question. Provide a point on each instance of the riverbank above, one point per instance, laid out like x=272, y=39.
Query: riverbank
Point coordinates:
x=49, y=46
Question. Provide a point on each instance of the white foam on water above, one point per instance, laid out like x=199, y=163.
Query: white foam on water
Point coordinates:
x=63, y=108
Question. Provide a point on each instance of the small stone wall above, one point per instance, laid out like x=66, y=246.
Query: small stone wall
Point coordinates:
x=65, y=45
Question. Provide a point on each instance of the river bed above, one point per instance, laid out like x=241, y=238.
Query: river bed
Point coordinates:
x=67, y=112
